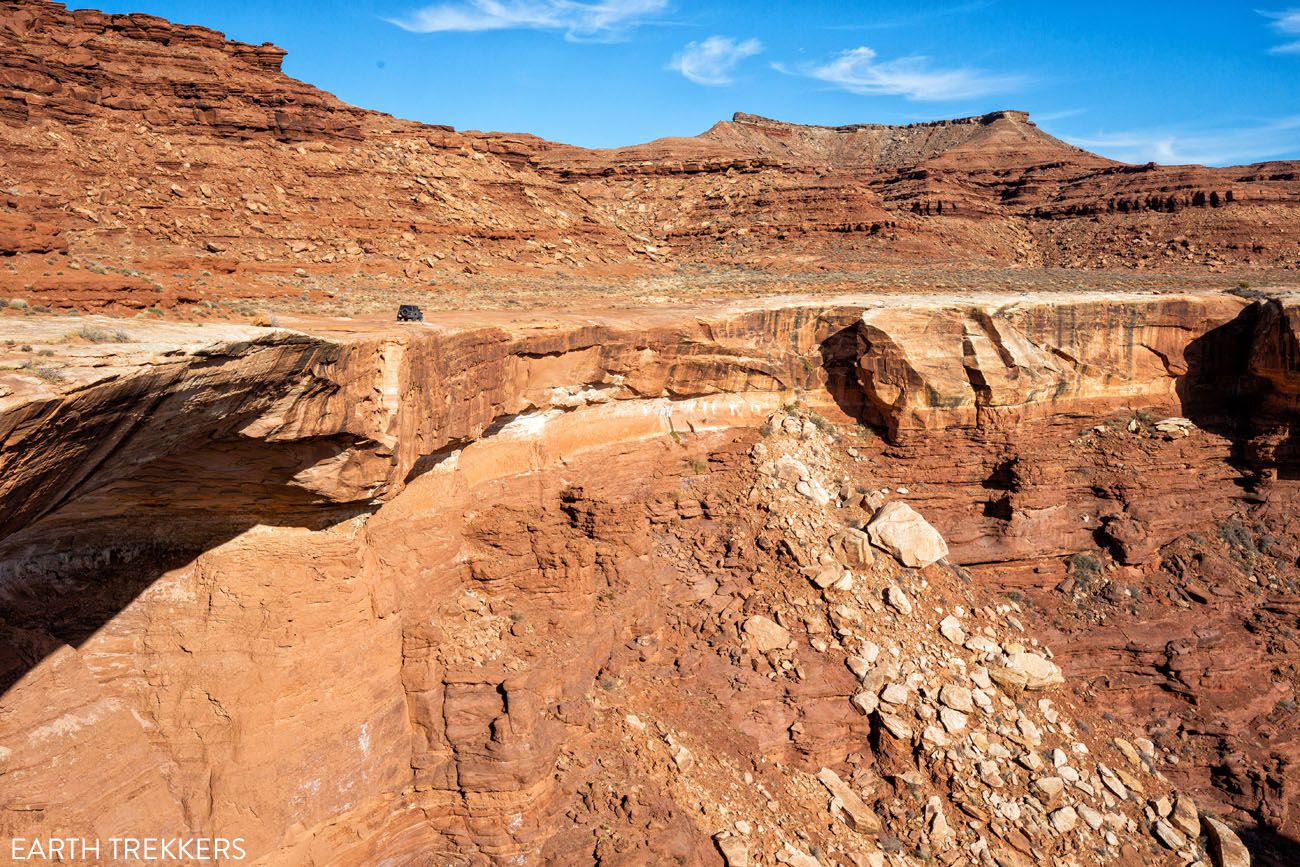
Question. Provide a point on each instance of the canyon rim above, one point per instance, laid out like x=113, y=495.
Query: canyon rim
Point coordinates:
x=810, y=495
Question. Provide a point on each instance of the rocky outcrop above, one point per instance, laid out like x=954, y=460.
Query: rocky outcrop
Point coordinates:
x=1227, y=848
x=941, y=365
x=20, y=234
x=356, y=406
x=354, y=415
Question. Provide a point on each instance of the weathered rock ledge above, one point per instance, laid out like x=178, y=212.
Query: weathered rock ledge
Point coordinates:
x=367, y=404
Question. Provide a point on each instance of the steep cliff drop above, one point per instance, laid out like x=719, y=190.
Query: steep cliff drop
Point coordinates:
x=919, y=496
x=663, y=586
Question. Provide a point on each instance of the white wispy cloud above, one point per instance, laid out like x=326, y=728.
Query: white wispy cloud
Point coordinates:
x=1178, y=146
x=859, y=71
x=595, y=21
x=1061, y=114
x=1286, y=23
x=713, y=60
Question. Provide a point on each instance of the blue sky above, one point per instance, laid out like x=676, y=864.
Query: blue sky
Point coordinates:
x=1213, y=82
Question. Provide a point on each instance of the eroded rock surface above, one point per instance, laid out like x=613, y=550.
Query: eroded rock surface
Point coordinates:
x=498, y=592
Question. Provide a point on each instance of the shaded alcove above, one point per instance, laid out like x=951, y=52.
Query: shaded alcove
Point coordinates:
x=1222, y=393
x=74, y=569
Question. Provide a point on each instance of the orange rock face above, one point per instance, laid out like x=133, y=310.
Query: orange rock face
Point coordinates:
x=602, y=588
x=514, y=570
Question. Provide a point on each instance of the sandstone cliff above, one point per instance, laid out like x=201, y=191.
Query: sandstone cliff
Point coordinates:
x=898, y=576
x=584, y=592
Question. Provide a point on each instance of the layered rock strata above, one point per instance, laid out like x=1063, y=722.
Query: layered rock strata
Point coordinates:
x=579, y=591
x=160, y=165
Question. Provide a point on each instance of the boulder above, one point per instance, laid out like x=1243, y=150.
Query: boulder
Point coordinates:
x=1168, y=835
x=899, y=530
x=813, y=490
x=956, y=697
x=791, y=469
x=1091, y=816
x=950, y=628
x=766, y=635
x=856, y=813
x=852, y=547
x=796, y=857
x=897, y=599
x=895, y=693
x=1064, y=819
x=1186, y=817
x=894, y=725
x=824, y=576
x=866, y=702
x=1039, y=672
x=953, y=721
x=1225, y=846
x=1049, y=788
x=734, y=850
x=1178, y=426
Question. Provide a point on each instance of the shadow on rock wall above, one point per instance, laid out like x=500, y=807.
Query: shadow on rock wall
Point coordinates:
x=1223, y=392
x=75, y=569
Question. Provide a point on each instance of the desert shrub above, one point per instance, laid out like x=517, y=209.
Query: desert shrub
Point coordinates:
x=1234, y=533
x=821, y=422
x=101, y=335
x=1240, y=541
x=1243, y=290
x=1082, y=567
x=47, y=372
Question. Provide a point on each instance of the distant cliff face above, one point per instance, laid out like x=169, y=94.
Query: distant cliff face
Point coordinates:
x=989, y=189
x=161, y=164
x=865, y=146
x=73, y=67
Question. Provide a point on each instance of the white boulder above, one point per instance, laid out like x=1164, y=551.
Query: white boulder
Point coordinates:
x=898, y=529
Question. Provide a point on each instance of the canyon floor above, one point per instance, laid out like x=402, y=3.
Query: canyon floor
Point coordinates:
x=810, y=495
